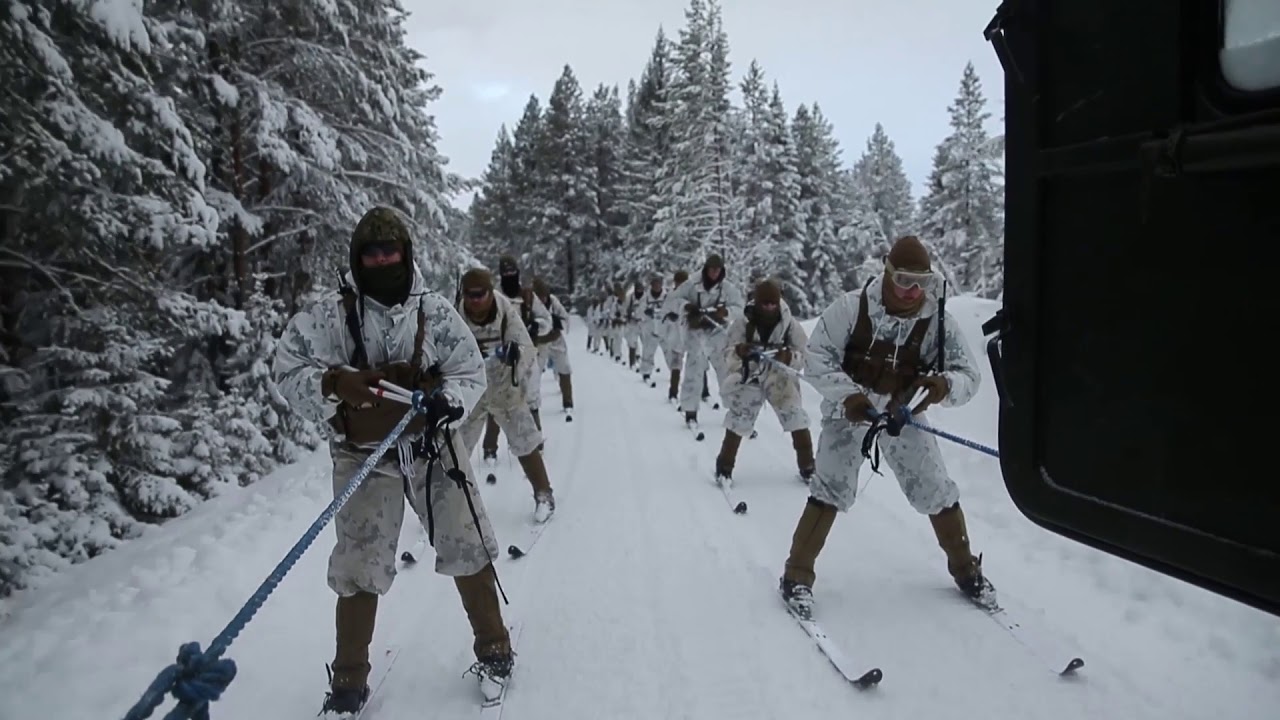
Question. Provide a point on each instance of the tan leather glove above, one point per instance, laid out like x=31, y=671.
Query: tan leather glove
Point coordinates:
x=857, y=407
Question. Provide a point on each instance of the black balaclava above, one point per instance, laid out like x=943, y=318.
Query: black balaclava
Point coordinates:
x=387, y=284
x=713, y=261
x=509, y=272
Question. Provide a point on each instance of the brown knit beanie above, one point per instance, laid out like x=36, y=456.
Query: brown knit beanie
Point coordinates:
x=909, y=253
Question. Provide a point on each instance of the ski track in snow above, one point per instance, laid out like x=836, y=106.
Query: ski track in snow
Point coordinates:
x=648, y=598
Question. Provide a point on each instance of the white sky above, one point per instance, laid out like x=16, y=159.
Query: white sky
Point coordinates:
x=897, y=62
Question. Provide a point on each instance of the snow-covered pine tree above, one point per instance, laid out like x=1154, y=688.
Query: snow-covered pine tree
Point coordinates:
x=880, y=172
x=787, y=229
x=696, y=187
x=566, y=196
x=823, y=209
x=495, y=209
x=528, y=177
x=647, y=154
x=601, y=236
x=961, y=213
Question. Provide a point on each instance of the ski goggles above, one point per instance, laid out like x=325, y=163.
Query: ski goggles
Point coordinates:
x=476, y=294
x=907, y=279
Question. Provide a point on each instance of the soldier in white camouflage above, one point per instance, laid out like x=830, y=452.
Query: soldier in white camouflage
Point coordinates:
x=509, y=354
x=764, y=356
x=537, y=321
x=873, y=350
x=387, y=325
x=707, y=307
x=554, y=345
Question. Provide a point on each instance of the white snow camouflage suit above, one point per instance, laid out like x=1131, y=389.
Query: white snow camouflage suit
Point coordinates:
x=703, y=346
x=541, y=320
x=764, y=381
x=913, y=456
x=504, y=398
x=557, y=351
x=651, y=327
x=368, y=526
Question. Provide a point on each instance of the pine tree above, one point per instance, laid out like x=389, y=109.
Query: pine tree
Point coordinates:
x=961, y=211
x=880, y=172
x=495, y=209
x=605, y=180
x=647, y=155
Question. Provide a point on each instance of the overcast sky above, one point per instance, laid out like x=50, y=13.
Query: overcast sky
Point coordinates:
x=897, y=62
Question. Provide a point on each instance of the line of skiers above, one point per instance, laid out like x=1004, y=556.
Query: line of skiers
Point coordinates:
x=479, y=360
x=889, y=345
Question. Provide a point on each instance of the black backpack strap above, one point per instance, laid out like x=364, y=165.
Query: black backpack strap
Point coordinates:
x=350, y=303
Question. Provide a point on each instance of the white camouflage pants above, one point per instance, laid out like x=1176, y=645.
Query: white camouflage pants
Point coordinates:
x=631, y=334
x=514, y=420
x=913, y=457
x=779, y=388
x=368, y=526
x=558, y=353
x=648, y=349
x=702, y=348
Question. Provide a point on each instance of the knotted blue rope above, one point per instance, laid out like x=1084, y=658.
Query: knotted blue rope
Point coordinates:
x=199, y=678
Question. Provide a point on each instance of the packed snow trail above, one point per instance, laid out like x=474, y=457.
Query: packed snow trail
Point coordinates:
x=648, y=598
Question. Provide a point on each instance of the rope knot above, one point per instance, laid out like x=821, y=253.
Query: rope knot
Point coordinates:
x=200, y=681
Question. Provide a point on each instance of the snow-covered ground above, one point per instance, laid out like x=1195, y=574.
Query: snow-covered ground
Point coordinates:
x=647, y=598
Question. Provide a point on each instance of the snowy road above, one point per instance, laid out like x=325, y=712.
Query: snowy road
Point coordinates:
x=648, y=598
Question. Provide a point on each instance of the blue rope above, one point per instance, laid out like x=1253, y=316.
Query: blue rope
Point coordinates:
x=199, y=678
x=955, y=438
x=903, y=417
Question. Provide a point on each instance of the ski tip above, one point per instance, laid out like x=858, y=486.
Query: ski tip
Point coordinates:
x=740, y=508
x=1073, y=666
x=492, y=479
x=869, y=679
x=408, y=558
x=515, y=552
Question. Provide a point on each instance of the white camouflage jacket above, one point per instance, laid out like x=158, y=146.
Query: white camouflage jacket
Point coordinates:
x=505, y=327
x=693, y=291
x=786, y=332
x=825, y=351
x=317, y=339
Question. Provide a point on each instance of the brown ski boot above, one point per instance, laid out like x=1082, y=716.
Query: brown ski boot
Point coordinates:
x=566, y=392
x=494, y=659
x=807, y=542
x=965, y=569
x=802, y=442
x=349, y=673
x=727, y=458
x=490, y=442
x=544, y=500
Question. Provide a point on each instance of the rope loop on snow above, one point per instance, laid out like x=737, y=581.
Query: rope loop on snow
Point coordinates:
x=199, y=678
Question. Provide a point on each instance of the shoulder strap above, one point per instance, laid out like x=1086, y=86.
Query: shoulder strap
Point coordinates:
x=419, y=337
x=360, y=356
x=861, y=336
x=916, y=339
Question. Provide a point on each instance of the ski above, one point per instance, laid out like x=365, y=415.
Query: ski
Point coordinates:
x=835, y=654
x=411, y=556
x=739, y=507
x=534, y=534
x=1029, y=636
x=698, y=435
x=379, y=677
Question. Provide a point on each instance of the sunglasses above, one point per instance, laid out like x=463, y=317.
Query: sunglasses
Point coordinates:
x=380, y=248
